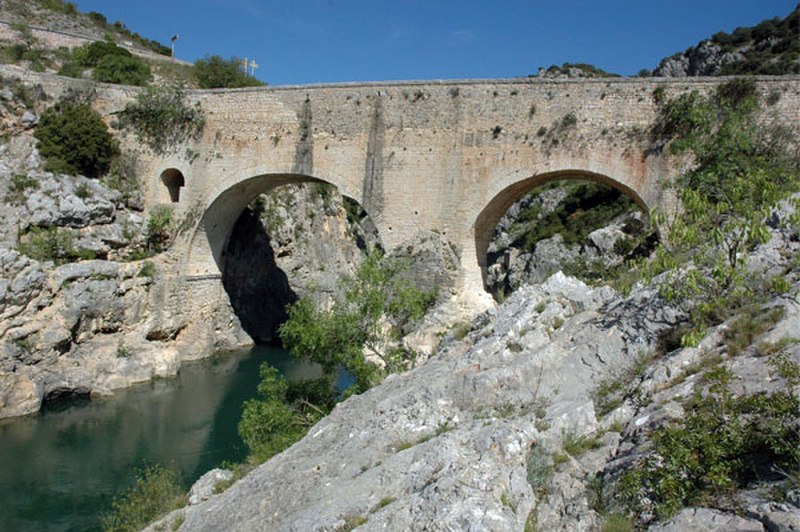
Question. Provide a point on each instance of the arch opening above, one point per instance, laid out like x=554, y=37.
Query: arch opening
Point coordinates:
x=275, y=238
x=584, y=224
x=173, y=179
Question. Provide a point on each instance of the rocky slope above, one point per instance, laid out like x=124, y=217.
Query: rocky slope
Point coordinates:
x=772, y=47
x=510, y=427
x=584, y=229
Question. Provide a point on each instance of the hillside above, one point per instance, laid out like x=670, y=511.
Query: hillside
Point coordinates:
x=771, y=47
x=61, y=16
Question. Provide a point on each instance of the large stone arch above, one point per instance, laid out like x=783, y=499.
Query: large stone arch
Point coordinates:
x=208, y=243
x=497, y=206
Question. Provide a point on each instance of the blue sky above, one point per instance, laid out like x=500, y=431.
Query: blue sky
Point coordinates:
x=313, y=41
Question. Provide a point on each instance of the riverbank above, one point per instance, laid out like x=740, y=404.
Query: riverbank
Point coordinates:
x=64, y=465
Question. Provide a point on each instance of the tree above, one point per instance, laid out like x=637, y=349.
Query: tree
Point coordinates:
x=74, y=140
x=215, y=72
x=377, y=304
x=121, y=69
x=740, y=169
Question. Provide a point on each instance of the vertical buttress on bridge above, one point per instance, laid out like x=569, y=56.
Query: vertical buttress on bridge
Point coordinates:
x=372, y=193
x=304, y=150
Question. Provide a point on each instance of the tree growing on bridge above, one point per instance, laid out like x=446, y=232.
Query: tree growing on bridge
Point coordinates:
x=160, y=117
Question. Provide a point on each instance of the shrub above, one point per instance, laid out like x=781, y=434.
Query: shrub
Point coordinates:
x=90, y=55
x=717, y=447
x=155, y=491
x=215, y=72
x=125, y=70
x=60, y=6
x=75, y=140
x=741, y=168
x=283, y=412
x=50, y=243
x=18, y=188
x=159, y=225
x=161, y=118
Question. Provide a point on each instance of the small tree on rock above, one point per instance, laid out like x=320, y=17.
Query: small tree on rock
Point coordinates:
x=74, y=140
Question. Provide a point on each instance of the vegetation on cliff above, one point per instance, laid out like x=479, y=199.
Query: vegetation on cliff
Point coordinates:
x=74, y=140
x=740, y=171
x=772, y=47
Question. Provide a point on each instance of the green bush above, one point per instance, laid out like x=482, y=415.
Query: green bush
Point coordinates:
x=124, y=70
x=52, y=243
x=718, y=446
x=161, y=118
x=159, y=226
x=90, y=55
x=18, y=188
x=155, y=492
x=741, y=169
x=74, y=140
x=59, y=6
x=282, y=413
x=215, y=72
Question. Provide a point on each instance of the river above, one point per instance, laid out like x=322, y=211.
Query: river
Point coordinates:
x=60, y=469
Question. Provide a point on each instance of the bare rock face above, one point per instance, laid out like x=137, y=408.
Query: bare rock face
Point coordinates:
x=705, y=59
x=708, y=520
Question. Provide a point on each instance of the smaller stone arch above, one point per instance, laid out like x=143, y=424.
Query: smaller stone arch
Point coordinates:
x=173, y=179
x=490, y=215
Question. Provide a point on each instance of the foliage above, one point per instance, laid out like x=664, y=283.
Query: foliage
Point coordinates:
x=148, y=269
x=772, y=47
x=717, y=447
x=215, y=72
x=155, y=491
x=75, y=140
x=539, y=469
x=282, y=413
x=52, y=243
x=376, y=305
x=125, y=70
x=739, y=170
x=122, y=177
x=586, y=70
x=90, y=55
x=161, y=118
x=59, y=6
x=159, y=226
x=19, y=186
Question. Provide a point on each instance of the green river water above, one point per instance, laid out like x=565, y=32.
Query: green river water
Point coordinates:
x=60, y=469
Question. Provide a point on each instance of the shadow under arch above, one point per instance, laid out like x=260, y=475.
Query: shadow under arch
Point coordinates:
x=232, y=242
x=494, y=210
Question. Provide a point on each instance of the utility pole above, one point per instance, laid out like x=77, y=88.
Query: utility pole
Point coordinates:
x=174, y=38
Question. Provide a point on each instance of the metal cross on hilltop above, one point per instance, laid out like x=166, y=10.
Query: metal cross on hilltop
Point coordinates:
x=252, y=65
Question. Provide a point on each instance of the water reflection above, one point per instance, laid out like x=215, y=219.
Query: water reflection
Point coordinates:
x=60, y=468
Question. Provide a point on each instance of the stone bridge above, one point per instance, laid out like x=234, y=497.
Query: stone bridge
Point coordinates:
x=442, y=156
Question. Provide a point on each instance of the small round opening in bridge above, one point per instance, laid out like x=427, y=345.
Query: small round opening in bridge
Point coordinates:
x=173, y=179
